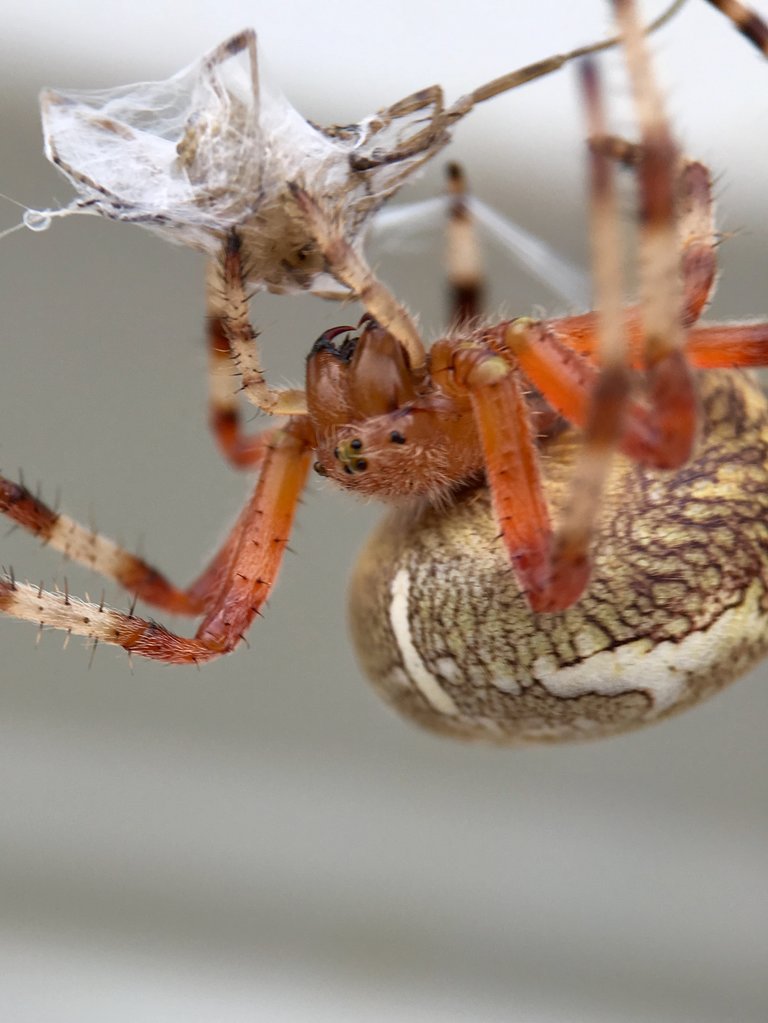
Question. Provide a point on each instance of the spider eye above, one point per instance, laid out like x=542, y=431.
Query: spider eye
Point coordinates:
x=320, y=469
x=347, y=453
x=396, y=437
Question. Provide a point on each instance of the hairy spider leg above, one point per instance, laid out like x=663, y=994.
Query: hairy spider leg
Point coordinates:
x=230, y=592
x=101, y=554
x=438, y=119
x=351, y=269
x=693, y=231
x=241, y=450
x=463, y=262
x=549, y=364
x=707, y=346
x=92, y=549
x=697, y=264
x=607, y=406
x=227, y=303
x=669, y=377
x=266, y=525
x=746, y=21
x=696, y=233
x=552, y=569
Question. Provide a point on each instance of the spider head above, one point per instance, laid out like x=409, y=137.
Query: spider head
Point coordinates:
x=385, y=456
x=384, y=431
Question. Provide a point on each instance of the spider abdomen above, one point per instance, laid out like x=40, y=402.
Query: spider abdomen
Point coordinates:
x=677, y=605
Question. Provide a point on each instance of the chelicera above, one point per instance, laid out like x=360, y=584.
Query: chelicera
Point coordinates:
x=384, y=416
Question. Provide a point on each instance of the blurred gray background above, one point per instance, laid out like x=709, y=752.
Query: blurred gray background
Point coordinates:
x=262, y=839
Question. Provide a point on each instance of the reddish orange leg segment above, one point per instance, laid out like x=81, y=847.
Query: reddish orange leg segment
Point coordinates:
x=266, y=526
x=241, y=450
x=697, y=263
x=93, y=550
x=232, y=590
x=718, y=346
x=511, y=464
x=712, y=346
x=103, y=555
x=697, y=234
x=568, y=381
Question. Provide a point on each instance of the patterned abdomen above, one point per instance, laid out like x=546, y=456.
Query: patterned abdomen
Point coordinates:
x=677, y=606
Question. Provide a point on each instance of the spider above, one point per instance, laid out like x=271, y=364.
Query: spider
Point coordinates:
x=382, y=415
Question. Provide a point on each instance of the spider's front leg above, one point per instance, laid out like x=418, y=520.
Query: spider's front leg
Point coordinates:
x=230, y=592
x=351, y=269
x=233, y=348
x=503, y=422
x=95, y=551
x=241, y=450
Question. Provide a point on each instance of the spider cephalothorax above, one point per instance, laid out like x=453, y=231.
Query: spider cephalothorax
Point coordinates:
x=384, y=430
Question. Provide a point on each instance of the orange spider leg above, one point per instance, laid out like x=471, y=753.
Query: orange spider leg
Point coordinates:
x=240, y=450
x=669, y=378
x=675, y=216
x=210, y=584
x=579, y=334
x=563, y=376
x=697, y=263
x=607, y=409
x=696, y=232
x=265, y=527
x=101, y=554
x=569, y=381
x=93, y=550
x=709, y=346
x=463, y=262
x=697, y=237
x=511, y=462
x=227, y=302
x=232, y=590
